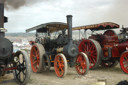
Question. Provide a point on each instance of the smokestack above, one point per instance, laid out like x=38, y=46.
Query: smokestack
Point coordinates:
x=1, y=18
x=69, y=22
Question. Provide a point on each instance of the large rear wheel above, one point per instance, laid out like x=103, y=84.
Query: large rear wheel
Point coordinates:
x=124, y=62
x=36, y=57
x=82, y=64
x=60, y=65
x=93, y=50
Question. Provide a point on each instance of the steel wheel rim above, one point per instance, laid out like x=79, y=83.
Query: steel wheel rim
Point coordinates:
x=80, y=64
x=124, y=62
x=59, y=66
x=89, y=48
x=35, y=58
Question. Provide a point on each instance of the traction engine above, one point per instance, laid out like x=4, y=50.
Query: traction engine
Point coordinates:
x=10, y=62
x=57, y=52
x=107, y=48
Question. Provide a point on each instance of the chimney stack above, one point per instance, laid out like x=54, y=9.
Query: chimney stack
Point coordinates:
x=69, y=22
x=2, y=34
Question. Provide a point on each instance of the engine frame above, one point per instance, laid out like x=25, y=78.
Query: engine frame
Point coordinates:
x=50, y=51
x=107, y=48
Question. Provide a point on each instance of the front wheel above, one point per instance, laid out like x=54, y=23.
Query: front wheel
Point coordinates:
x=60, y=65
x=23, y=71
x=124, y=62
x=82, y=64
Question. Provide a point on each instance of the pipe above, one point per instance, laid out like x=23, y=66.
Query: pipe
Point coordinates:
x=2, y=34
x=69, y=23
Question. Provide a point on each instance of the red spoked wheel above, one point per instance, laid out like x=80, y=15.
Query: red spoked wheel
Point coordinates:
x=124, y=62
x=82, y=64
x=60, y=65
x=36, y=57
x=109, y=33
x=93, y=50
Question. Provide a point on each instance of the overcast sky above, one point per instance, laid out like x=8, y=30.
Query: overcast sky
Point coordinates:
x=84, y=12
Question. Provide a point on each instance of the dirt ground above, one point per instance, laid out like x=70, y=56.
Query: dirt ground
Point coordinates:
x=111, y=75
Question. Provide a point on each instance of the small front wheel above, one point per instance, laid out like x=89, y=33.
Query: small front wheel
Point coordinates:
x=82, y=64
x=60, y=65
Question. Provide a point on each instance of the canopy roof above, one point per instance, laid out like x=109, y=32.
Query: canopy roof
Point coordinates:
x=50, y=27
x=100, y=26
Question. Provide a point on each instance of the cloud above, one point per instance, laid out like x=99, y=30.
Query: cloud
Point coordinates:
x=118, y=12
x=84, y=12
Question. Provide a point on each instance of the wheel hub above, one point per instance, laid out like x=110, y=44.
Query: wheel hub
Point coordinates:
x=20, y=67
x=35, y=58
x=88, y=53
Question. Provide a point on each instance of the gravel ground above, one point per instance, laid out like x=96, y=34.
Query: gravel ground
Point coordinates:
x=111, y=75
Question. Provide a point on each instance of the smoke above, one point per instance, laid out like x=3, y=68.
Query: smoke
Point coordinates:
x=16, y=4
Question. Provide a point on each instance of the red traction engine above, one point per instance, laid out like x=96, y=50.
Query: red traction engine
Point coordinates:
x=53, y=49
x=105, y=48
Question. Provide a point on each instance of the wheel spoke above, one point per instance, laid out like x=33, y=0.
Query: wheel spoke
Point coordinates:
x=33, y=56
x=92, y=56
x=23, y=62
x=34, y=62
x=23, y=73
x=126, y=67
x=18, y=75
x=83, y=65
x=62, y=70
x=94, y=60
x=126, y=58
x=34, y=51
x=91, y=60
x=83, y=70
x=37, y=53
x=38, y=58
x=80, y=59
x=91, y=48
x=84, y=48
x=87, y=48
